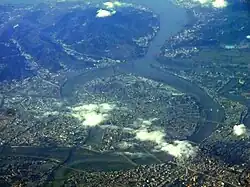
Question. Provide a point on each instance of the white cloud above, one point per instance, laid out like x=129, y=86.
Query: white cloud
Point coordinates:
x=109, y=5
x=114, y=4
x=117, y=3
x=93, y=118
x=239, y=130
x=87, y=107
x=104, y=13
x=203, y=1
x=219, y=3
x=92, y=114
x=110, y=8
x=153, y=136
x=177, y=149
x=214, y=3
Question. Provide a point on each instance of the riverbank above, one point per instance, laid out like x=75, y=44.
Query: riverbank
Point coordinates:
x=172, y=20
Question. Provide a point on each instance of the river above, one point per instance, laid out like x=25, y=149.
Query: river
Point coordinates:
x=172, y=20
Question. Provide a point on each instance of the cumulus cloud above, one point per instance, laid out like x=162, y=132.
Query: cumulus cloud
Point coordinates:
x=214, y=3
x=109, y=5
x=92, y=114
x=93, y=118
x=219, y=3
x=112, y=5
x=203, y=1
x=110, y=8
x=177, y=149
x=153, y=136
x=239, y=130
x=104, y=13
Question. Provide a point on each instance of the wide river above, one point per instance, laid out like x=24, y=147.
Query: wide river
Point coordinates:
x=172, y=20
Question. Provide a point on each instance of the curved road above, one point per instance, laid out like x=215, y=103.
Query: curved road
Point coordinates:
x=172, y=19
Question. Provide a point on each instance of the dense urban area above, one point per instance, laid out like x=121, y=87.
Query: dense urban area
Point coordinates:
x=98, y=94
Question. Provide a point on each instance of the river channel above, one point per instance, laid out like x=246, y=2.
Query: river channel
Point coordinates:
x=172, y=20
